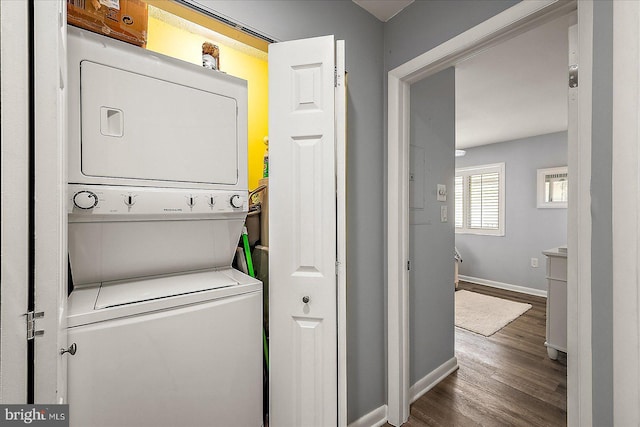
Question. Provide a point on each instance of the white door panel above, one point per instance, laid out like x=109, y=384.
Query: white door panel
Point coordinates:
x=302, y=191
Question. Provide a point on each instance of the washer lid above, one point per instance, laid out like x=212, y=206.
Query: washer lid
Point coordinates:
x=113, y=294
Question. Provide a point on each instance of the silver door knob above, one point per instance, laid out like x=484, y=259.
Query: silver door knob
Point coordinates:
x=71, y=350
x=306, y=300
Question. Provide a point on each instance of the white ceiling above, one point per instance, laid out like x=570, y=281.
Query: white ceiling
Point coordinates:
x=383, y=9
x=514, y=90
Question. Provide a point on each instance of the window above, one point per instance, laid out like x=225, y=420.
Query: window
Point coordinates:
x=479, y=200
x=553, y=187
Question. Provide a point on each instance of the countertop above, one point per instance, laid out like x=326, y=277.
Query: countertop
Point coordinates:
x=559, y=252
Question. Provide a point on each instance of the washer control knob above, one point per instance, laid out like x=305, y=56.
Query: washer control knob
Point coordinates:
x=85, y=199
x=191, y=201
x=211, y=200
x=236, y=201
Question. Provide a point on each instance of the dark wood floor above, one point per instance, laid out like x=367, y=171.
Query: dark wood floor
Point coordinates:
x=503, y=380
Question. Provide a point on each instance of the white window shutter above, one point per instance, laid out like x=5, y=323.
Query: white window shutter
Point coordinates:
x=480, y=200
x=484, y=201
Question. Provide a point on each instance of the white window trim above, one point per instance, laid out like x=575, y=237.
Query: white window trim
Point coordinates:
x=541, y=179
x=471, y=170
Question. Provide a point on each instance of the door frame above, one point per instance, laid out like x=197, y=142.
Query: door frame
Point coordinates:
x=14, y=282
x=509, y=23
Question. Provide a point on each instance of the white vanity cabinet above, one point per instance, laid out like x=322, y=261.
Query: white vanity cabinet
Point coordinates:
x=556, y=301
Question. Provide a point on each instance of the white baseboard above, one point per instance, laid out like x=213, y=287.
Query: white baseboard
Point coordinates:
x=375, y=418
x=378, y=416
x=506, y=286
x=432, y=379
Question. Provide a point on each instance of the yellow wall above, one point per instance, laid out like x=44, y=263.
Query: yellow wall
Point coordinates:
x=179, y=43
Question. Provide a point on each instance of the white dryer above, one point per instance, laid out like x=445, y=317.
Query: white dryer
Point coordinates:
x=166, y=332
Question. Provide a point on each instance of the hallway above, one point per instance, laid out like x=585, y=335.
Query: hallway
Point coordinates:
x=505, y=379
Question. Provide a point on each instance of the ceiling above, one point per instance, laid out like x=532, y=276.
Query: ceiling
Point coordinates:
x=383, y=9
x=514, y=90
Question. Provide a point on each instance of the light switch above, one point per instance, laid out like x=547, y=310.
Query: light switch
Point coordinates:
x=443, y=213
x=442, y=193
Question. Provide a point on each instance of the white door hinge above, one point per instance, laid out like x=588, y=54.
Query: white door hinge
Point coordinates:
x=32, y=332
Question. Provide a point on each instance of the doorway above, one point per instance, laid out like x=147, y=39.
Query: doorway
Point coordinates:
x=505, y=25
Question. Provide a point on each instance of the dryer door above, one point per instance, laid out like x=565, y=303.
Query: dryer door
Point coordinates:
x=139, y=127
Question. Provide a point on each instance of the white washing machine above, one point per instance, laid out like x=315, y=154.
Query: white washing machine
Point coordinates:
x=166, y=332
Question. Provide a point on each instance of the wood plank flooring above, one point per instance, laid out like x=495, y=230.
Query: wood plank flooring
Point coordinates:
x=504, y=380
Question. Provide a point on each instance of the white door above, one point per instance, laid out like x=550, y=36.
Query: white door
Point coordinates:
x=303, y=232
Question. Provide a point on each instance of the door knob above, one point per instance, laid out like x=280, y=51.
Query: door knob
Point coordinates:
x=71, y=350
x=306, y=299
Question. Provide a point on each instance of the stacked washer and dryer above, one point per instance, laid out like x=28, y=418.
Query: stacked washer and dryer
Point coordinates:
x=167, y=333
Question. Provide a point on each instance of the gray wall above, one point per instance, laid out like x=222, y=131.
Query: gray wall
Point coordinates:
x=287, y=20
x=528, y=230
x=431, y=276
x=601, y=215
x=426, y=24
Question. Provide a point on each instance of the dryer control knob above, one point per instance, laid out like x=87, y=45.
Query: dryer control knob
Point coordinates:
x=236, y=201
x=130, y=199
x=85, y=199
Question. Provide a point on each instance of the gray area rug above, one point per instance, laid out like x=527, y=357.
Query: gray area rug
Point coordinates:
x=484, y=314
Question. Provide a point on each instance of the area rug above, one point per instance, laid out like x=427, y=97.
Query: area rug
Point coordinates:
x=486, y=315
